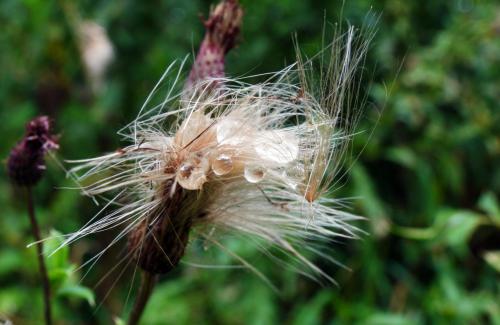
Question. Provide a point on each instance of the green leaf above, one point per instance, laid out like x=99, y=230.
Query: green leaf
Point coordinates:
x=371, y=204
x=311, y=312
x=460, y=226
x=57, y=257
x=488, y=203
x=493, y=259
x=402, y=156
x=118, y=321
x=77, y=291
x=456, y=227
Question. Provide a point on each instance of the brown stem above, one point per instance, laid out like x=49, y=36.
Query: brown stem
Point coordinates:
x=147, y=284
x=41, y=262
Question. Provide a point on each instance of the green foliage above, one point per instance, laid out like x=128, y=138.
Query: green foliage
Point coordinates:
x=427, y=179
x=62, y=273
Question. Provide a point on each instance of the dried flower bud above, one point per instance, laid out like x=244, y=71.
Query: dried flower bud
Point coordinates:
x=222, y=29
x=26, y=160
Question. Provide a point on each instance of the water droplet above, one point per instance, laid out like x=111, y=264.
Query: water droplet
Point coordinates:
x=254, y=174
x=192, y=173
x=185, y=170
x=222, y=165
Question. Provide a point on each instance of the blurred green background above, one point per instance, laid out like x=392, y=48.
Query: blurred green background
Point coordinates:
x=428, y=178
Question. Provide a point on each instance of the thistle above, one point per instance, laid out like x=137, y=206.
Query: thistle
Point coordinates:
x=257, y=159
x=25, y=167
x=26, y=163
x=260, y=160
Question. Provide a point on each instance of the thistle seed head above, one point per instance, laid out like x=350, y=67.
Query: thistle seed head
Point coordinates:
x=257, y=160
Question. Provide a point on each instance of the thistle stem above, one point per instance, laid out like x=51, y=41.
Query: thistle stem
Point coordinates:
x=147, y=284
x=41, y=262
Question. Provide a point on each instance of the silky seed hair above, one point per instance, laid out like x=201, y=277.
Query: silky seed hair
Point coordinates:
x=259, y=161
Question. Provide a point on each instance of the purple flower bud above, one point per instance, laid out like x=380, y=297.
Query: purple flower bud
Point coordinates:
x=222, y=29
x=26, y=160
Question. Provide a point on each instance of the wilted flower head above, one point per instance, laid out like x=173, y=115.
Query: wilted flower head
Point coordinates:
x=257, y=160
x=26, y=160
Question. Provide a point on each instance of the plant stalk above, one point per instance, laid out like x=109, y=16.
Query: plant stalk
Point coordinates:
x=147, y=284
x=41, y=262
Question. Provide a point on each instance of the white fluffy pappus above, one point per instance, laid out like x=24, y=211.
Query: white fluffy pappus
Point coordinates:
x=258, y=160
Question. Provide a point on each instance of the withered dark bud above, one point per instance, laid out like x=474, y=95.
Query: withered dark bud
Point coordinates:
x=26, y=162
x=222, y=29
